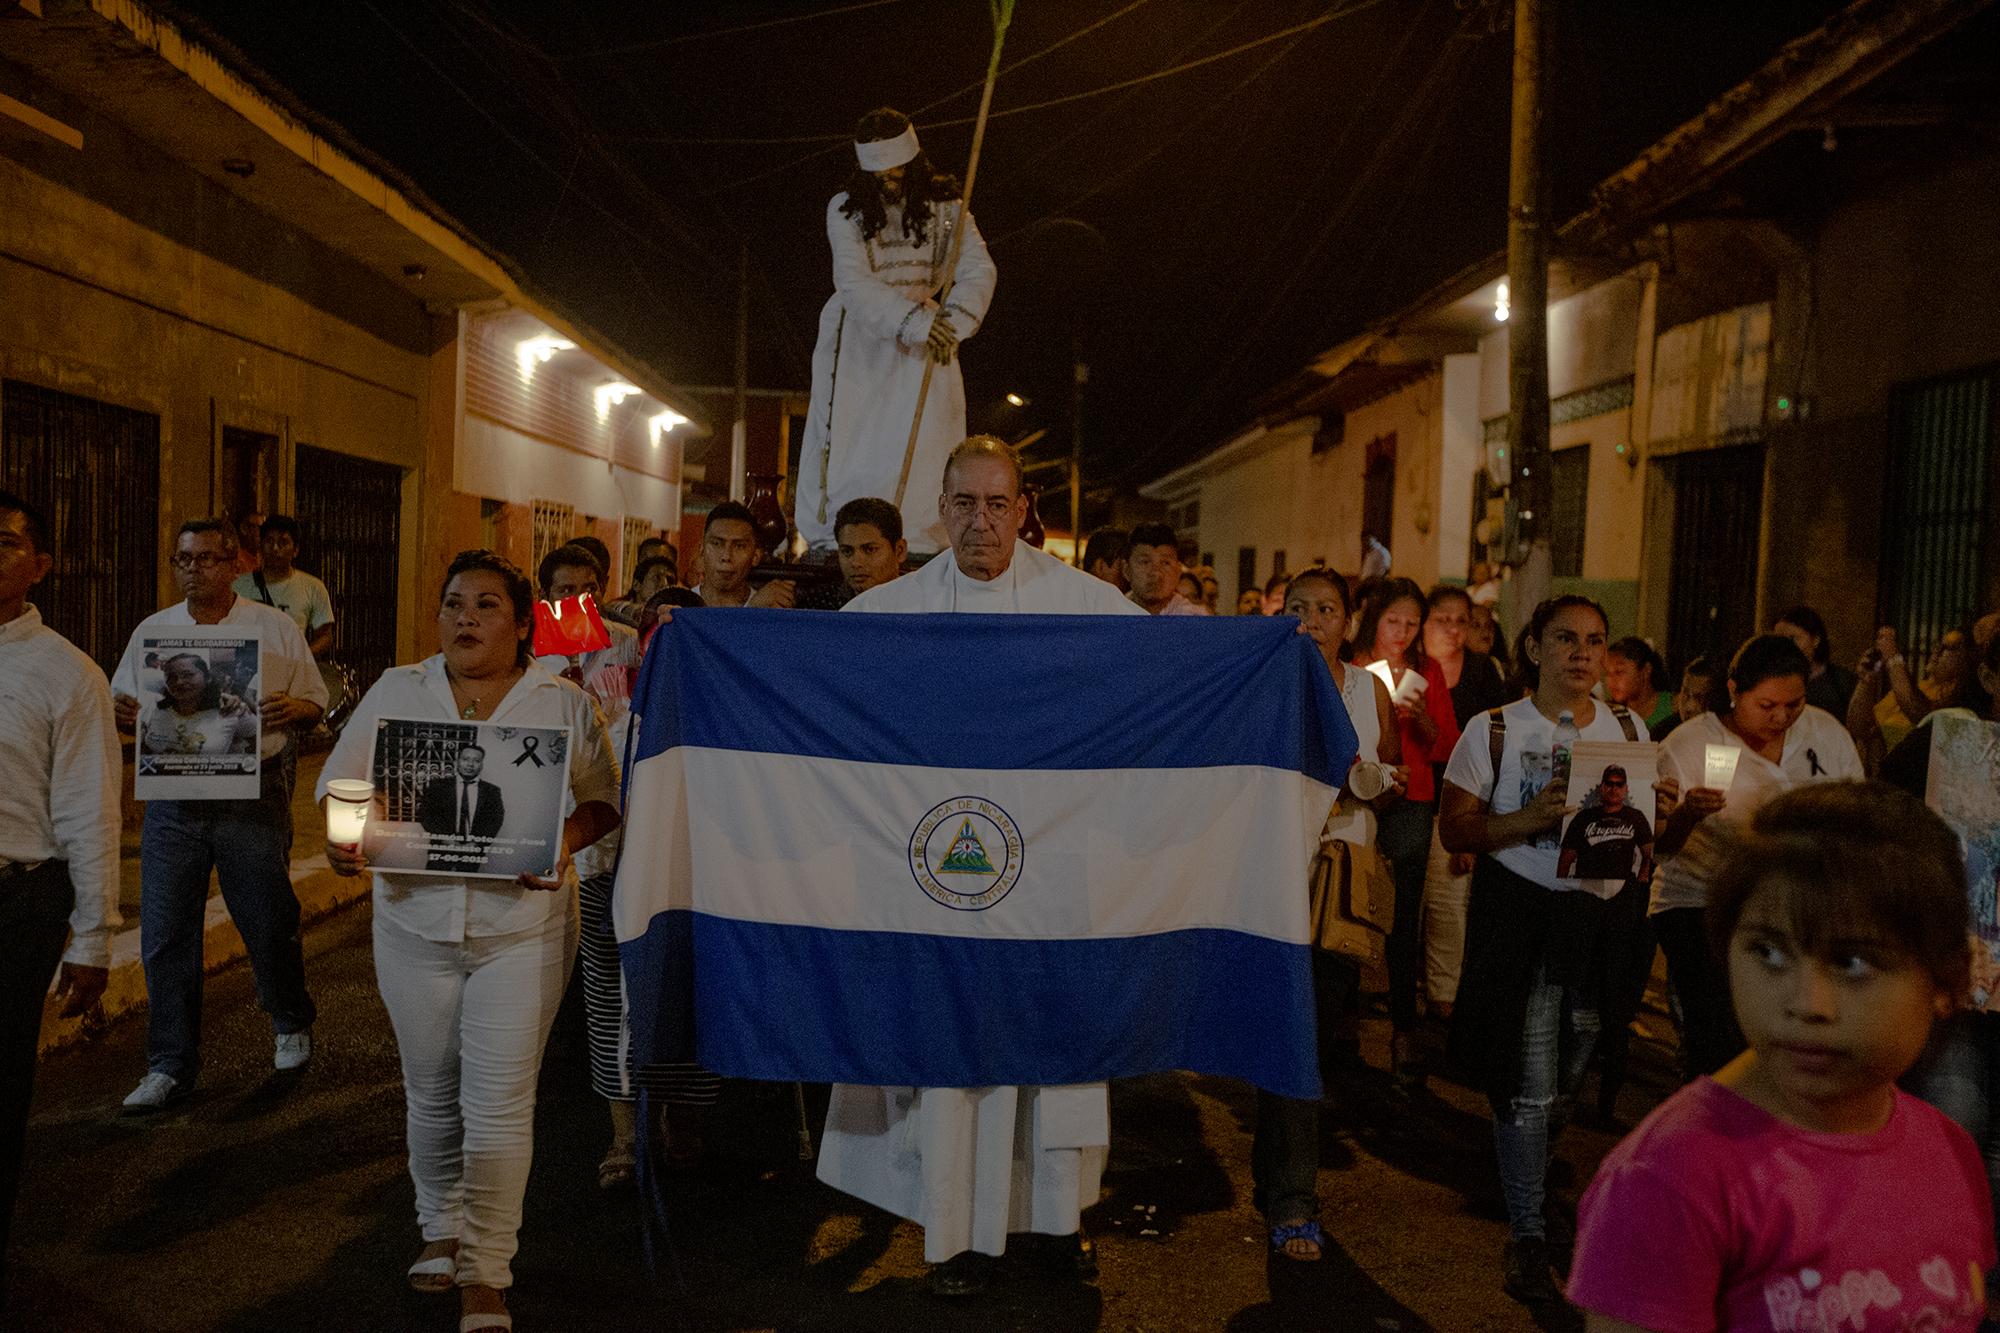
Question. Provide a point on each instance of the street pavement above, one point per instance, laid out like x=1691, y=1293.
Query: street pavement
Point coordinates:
x=274, y=1203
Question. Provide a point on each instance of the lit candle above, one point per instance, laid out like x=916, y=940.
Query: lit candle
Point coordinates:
x=347, y=802
x=1719, y=766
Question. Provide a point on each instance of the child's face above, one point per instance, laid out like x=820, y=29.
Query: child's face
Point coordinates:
x=1827, y=1029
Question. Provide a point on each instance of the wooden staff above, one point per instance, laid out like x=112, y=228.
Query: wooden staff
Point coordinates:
x=1003, y=14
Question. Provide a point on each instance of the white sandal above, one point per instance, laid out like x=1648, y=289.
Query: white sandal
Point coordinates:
x=434, y=1276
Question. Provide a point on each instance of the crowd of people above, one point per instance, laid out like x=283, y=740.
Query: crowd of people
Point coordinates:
x=1813, y=922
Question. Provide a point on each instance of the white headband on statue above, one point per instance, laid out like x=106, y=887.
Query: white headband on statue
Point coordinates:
x=883, y=154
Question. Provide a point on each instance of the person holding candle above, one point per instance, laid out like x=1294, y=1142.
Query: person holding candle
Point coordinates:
x=472, y=970
x=1390, y=644
x=1778, y=741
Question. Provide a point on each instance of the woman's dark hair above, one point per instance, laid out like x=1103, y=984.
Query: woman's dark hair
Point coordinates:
x=1538, y=623
x=1703, y=667
x=1321, y=574
x=922, y=183
x=519, y=591
x=1448, y=592
x=1524, y=674
x=1383, y=595
x=1809, y=620
x=211, y=690
x=1853, y=861
x=1765, y=657
x=1640, y=653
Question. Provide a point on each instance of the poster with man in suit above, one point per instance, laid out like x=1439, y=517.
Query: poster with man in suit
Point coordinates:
x=469, y=800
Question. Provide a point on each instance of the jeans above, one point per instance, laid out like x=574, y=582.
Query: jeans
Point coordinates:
x=1404, y=838
x=1284, y=1152
x=471, y=1020
x=1963, y=1081
x=1555, y=1050
x=244, y=843
x=34, y=923
x=1709, y=1036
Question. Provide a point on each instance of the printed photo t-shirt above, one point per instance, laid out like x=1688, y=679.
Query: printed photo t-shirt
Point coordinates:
x=1524, y=770
x=1715, y=1214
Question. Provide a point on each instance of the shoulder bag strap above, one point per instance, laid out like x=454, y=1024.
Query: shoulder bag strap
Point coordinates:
x=1624, y=716
x=263, y=588
x=1496, y=744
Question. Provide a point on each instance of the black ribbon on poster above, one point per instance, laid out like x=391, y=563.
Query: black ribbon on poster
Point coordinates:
x=529, y=744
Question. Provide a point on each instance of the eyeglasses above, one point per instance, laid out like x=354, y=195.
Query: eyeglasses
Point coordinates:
x=203, y=561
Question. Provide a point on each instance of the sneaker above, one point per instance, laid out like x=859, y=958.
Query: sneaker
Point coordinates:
x=292, y=1050
x=155, y=1093
x=1527, y=1277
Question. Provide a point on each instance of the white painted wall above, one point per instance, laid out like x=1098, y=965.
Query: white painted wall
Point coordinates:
x=499, y=463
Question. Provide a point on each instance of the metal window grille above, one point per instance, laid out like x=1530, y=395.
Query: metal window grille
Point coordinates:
x=93, y=470
x=1934, y=538
x=553, y=523
x=634, y=530
x=1569, y=479
x=1718, y=505
x=351, y=513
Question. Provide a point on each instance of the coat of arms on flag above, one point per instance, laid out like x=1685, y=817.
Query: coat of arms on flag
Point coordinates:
x=949, y=857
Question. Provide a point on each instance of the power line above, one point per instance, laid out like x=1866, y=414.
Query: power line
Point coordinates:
x=1122, y=84
x=686, y=37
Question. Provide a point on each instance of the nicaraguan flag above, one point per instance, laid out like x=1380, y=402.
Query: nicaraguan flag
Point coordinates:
x=969, y=850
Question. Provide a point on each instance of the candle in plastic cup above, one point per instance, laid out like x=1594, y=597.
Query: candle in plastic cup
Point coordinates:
x=347, y=802
x=1719, y=766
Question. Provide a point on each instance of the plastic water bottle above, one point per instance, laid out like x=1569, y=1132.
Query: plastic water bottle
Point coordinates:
x=1559, y=753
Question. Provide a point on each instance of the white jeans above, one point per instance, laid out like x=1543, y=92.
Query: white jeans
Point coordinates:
x=471, y=1020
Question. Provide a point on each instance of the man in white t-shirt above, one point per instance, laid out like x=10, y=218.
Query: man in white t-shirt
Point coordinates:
x=278, y=582
x=246, y=844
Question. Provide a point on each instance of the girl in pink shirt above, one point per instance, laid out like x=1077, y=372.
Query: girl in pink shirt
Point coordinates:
x=1798, y=1190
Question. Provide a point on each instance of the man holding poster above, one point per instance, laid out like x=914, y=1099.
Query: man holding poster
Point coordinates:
x=201, y=667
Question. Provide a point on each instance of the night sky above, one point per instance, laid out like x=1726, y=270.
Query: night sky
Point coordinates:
x=1254, y=210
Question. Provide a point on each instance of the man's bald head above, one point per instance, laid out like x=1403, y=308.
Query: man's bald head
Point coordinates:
x=984, y=446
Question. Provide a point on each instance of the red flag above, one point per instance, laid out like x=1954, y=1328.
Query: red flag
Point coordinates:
x=569, y=628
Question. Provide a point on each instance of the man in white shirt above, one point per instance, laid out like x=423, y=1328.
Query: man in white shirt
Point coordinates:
x=1153, y=568
x=974, y=1164
x=246, y=843
x=277, y=582
x=58, y=829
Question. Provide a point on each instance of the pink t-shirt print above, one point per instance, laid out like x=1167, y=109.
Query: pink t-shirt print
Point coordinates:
x=1714, y=1214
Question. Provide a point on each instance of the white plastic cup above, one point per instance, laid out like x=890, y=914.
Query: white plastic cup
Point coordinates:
x=1719, y=766
x=1369, y=779
x=347, y=804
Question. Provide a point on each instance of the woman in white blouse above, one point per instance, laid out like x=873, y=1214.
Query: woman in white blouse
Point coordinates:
x=472, y=970
x=1779, y=742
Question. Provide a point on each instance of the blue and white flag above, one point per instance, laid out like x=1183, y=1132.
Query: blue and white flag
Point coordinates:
x=968, y=850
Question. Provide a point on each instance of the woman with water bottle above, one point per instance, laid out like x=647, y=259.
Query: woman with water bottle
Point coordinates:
x=1535, y=954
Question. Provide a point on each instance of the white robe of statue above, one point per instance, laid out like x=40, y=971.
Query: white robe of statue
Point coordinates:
x=971, y=1165
x=869, y=363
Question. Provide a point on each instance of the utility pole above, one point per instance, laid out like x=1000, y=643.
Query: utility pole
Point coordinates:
x=1080, y=377
x=1531, y=504
x=739, y=430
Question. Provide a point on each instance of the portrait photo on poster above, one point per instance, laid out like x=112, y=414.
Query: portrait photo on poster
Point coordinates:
x=200, y=732
x=469, y=800
x=1964, y=789
x=1608, y=842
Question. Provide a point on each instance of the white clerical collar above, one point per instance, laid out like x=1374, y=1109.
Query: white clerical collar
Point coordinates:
x=971, y=594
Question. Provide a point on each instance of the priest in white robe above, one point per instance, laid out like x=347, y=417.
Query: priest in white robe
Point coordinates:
x=971, y=1165
x=891, y=235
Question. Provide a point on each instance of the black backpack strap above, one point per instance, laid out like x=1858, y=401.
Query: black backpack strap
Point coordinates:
x=1624, y=716
x=1496, y=745
x=263, y=588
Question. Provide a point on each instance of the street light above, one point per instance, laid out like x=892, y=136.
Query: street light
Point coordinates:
x=1080, y=376
x=1016, y=400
